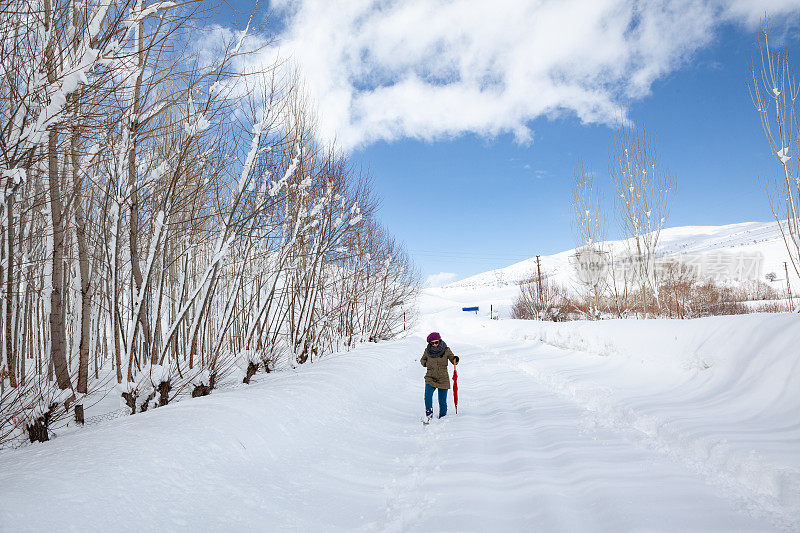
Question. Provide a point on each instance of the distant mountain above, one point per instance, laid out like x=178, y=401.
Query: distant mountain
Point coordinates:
x=715, y=244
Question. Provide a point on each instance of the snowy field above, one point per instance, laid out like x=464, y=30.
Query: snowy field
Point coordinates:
x=612, y=426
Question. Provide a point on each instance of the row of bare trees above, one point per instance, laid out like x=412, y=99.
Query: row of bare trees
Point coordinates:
x=626, y=276
x=168, y=219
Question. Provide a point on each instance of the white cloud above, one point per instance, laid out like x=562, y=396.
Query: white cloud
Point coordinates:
x=428, y=69
x=752, y=11
x=442, y=278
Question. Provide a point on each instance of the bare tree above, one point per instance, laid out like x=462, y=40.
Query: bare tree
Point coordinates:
x=773, y=90
x=588, y=225
x=644, y=188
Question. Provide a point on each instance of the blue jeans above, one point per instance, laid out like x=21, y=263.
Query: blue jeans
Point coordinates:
x=429, y=400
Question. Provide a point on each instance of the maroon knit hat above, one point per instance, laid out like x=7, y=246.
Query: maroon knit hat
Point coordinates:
x=434, y=337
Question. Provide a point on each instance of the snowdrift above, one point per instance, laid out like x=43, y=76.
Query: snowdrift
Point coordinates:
x=721, y=395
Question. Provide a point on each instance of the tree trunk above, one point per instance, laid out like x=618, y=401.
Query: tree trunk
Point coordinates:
x=133, y=234
x=12, y=375
x=80, y=227
x=57, y=353
x=83, y=263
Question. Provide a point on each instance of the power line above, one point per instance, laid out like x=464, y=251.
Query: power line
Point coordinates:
x=468, y=255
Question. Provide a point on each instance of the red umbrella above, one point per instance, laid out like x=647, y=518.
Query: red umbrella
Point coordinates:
x=455, y=388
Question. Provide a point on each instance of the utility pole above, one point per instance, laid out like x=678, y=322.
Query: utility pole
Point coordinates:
x=539, y=276
x=788, y=286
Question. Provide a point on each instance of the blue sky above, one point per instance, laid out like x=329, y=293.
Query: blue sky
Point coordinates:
x=479, y=177
x=472, y=204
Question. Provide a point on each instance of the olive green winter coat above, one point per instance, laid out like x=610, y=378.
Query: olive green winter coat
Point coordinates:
x=437, y=375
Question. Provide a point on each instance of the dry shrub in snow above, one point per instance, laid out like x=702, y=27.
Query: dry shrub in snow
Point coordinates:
x=781, y=306
x=712, y=300
x=683, y=295
x=542, y=300
x=752, y=290
x=676, y=291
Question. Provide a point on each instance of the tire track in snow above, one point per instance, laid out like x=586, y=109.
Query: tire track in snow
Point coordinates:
x=405, y=505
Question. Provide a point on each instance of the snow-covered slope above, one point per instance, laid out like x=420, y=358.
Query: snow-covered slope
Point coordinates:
x=747, y=238
x=609, y=426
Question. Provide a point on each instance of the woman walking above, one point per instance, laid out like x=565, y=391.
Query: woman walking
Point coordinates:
x=435, y=358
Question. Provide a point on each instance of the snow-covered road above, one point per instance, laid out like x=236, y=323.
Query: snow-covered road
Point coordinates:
x=338, y=446
x=519, y=458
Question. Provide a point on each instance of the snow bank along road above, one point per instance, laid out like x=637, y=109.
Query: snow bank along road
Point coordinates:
x=546, y=439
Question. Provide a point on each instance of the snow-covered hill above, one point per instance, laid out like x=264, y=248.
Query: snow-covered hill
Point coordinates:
x=746, y=238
